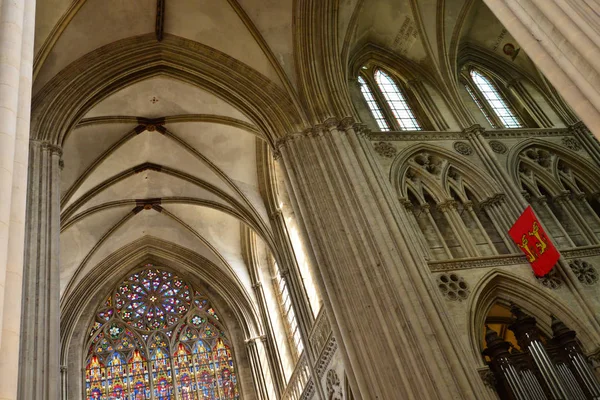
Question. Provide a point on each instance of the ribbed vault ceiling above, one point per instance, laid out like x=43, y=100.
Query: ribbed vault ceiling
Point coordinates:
x=163, y=158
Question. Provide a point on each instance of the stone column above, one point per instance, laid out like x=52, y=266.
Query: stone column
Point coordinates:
x=17, y=20
x=40, y=329
x=395, y=341
x=587, y=140
x=562, y=37
x=257, y=369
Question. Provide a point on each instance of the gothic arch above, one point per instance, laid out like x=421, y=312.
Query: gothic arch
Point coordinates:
x=482, y=185
x=504, y=287
x=587, y=172
x=77, y=308
x=61, y=104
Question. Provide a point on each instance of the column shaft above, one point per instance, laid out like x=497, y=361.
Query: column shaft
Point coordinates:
x=561, y=37
x=40, y=330
x=16, y=63
x=395, y=340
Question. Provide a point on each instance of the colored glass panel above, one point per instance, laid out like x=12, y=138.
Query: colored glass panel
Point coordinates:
x=138, y=377
x=116, y=377
x=397, y=102
x=133, y=362
x=224, y=370
x=161, y=374
x=95, y=380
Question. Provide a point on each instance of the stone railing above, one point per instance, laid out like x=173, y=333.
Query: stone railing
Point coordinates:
x=298, y=381
x=320, y=333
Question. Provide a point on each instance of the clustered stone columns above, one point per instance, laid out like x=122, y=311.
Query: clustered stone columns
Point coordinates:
x=395, y=343
x=40, y=332
x=17, y=19
x=562, y=38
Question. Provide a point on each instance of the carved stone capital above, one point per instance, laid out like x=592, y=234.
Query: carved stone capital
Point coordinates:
x=447, y=205
x=473, y=130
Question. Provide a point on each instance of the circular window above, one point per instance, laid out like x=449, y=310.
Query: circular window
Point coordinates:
x=152, y=299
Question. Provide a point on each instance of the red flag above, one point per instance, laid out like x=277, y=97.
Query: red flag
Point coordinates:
x=528, y=234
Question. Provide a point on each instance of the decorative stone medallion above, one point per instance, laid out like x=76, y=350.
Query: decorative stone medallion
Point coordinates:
x=551, y=280
x=334, y=388
x=584, y=271
x=463, y=148
x=571, y=143
x=385, y=149
x=453, y=287
x=498, y=147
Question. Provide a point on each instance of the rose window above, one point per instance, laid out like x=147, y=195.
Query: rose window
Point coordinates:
x=152, y=299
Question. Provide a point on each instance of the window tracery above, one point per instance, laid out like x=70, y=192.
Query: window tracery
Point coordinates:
x=454, y=223
x=155, y=337
x=496, y=103
x=285, y=305
x=373, y=105
x=390, y=103
x=561, y=194
x=397, y=102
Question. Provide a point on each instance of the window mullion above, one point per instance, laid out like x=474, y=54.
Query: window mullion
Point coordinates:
x=383, y=104
x=483, y=103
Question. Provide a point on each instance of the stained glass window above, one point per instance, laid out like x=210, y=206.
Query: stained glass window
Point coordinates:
x=373, y=106
x=495, y=101
x=156, y=338
x=397, y=102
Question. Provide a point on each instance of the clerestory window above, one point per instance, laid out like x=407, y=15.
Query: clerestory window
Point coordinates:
x=494, y=101
x=387, y=102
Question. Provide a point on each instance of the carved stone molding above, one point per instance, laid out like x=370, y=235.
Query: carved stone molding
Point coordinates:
x=385, y=149
x=584, y=271
x=571, y=143
x=551, y=280
x=581, y=252
x=309, y=390
x=481, y=262
x=334, y=386
x=498, y=147
x=453, y=287
x=410, y=136
x=520, y=133
x=463, y=148
x=326, y=356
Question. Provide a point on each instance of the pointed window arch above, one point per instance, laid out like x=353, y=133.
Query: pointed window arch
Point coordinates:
x=397, y=102
x=494, y=100
x=155, y=337
x=373, y=105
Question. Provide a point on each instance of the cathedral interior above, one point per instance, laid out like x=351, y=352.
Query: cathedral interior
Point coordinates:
x=298, y=199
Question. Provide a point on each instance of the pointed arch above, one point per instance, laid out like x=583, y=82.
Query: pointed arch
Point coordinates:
x=482, y=184
x=500, y=286
x=63, y=102
x=587, y=172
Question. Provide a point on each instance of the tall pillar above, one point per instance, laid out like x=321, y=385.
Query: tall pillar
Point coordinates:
x=40, y=330
x=562, y=37
x=380, y=295
x=17, y=20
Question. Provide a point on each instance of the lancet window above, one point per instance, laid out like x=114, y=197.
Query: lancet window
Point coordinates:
x=454, y=222
x=388, y=102
x=286, y=309
x=492, y=103
x=155, y=337
x=562, y=194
